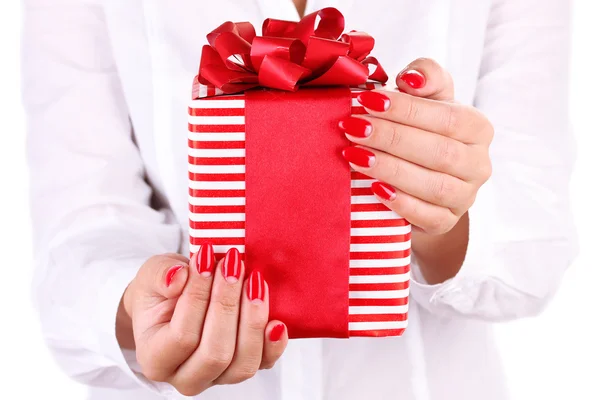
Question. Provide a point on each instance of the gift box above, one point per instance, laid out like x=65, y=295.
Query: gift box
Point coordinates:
x=266, y=175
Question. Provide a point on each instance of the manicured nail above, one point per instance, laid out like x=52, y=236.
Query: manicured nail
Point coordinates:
x=276, y=332
x=374, y=101
x=358, y=127
x=413, y=78
x=232, y=265
x=171, y=274
x=359, y=156
x=383, y=190
x=256, y=286
x=205, y=260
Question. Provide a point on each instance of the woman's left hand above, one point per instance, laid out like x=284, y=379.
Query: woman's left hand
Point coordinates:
x=428, y=153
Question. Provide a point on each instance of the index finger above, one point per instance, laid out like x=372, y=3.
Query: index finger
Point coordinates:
x=219, y=333
x=440, y=117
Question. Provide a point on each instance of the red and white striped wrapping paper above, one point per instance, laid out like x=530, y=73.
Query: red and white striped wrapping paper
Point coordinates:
x=380, y=239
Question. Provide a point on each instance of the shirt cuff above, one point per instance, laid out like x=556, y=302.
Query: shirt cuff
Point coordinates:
x=496, y=281
x=107, y=305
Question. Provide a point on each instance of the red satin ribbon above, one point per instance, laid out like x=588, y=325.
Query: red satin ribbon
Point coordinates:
x=311, y=52
x=298, y=206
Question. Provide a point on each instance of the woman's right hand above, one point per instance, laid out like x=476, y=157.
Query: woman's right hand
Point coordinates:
x=192, y=325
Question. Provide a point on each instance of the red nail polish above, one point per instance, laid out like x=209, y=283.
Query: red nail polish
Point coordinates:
x=276, y=332
x=383, y=190
x=232, y=265
x=374, y=101
x=171, y=274
x=256, y=286
x=359, y=156
x=205, y=260
x=358, y=127
x=413, y=78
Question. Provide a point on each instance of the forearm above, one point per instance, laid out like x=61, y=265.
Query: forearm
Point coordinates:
x=440, y=257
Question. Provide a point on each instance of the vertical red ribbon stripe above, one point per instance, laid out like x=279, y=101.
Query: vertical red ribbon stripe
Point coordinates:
x=298, y=206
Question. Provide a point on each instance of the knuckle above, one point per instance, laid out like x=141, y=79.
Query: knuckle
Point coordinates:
x=228, y=305
x=446, y=155
x=199, y=294
x=242, y=374
x=411, y=110
x=434, y=226
x=188, y=389
x=444, y=189
x=453, y=118
x=491, y=131
x=486, y=170
x=154, y=374
x=488, y=130
x=217, y=360
x=149, y=367
x=438, y=226
x=394, y=136
x=470, y=201
x=397, y=170
x=256, y=326
x=480, y=121
x=185, y=341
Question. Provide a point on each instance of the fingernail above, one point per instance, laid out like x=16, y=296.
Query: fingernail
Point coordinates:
x=383, y=190
x=256, y=286
x=413, y=78
x=374, y=101
x=276, y=332
x=232, y=265
x=358, y=127
x=205, y=261
x=171, y=274
x=359, y=156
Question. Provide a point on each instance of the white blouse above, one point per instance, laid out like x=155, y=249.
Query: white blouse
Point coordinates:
x=106, y=86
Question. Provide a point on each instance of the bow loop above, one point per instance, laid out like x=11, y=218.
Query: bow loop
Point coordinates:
x=327, y=23
x=345, y=71
x=376, y=73
x=278, y=73
x=234, y=51
x=278, y=28
x=311, y=52
x=285, y=48
x=361, y=44
x=322, y=54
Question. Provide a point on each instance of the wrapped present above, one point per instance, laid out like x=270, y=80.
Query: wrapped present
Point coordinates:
x=266, y=175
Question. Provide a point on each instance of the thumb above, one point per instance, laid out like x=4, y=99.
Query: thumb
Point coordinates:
x=426, y=78
x=162, y=277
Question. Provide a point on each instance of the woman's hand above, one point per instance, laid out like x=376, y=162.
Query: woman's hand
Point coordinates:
x=200, y=325
x=428, y=153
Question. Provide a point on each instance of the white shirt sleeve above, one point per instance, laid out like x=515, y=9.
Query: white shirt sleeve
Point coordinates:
x=522, y=237
x=92, y=221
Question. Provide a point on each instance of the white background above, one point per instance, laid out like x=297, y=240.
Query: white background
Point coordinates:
x=555, y=356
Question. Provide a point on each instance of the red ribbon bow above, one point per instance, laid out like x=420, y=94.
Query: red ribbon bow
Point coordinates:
x=288, y=55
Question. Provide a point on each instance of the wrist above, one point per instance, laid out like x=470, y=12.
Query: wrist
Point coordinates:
x=124, y=324
x=440, y=257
